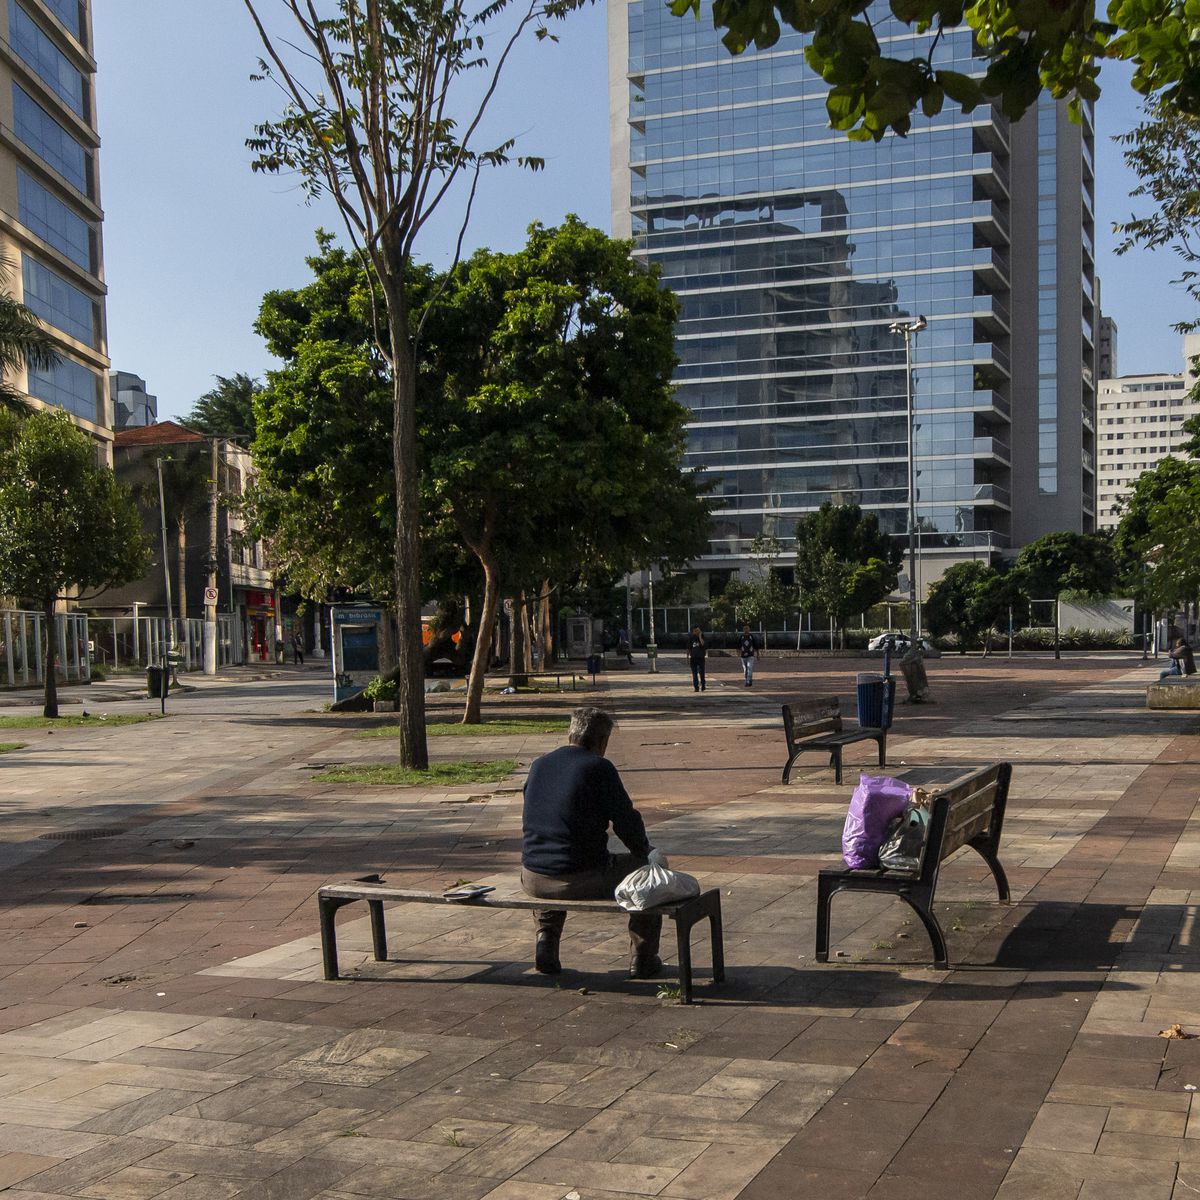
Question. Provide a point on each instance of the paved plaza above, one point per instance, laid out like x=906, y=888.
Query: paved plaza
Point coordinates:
x=165, y=1031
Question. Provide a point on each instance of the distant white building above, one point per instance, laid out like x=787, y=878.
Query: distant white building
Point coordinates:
x=1140, y=419
x=133, y=407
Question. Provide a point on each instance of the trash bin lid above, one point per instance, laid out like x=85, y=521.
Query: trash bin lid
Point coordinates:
x=868, y=677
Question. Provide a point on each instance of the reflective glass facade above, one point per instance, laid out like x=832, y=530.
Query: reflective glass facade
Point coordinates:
x=68, y=385
x=49, y=193
x=42, y=213
x=70, y=13
x=50, y=64
x=51, y=142
x=60, y=303
x=792, y=249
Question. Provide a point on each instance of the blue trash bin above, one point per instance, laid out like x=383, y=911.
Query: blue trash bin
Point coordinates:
x=875, y=694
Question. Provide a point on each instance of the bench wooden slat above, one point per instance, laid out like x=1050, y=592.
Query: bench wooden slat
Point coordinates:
x=496, y=899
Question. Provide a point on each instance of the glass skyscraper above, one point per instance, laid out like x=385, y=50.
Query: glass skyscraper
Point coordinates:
x=49, y=194
x=792, y=249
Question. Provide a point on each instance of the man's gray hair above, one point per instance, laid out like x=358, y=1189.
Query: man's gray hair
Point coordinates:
x=590, y=728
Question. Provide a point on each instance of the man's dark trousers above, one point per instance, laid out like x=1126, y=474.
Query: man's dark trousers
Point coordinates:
x=645, y=929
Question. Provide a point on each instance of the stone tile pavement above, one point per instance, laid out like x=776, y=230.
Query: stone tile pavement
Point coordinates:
x=164, y=1031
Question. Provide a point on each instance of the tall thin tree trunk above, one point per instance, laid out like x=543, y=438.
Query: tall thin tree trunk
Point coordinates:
x=546, y=631
x=181, y=568
x=517, y=674
x=410, y=657
x=49, y=642
x=483, y=642
x=526, y=637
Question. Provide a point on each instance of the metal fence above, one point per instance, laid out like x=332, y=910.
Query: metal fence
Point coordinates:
x=123, y=642
x=111, y=642
x=22, y=647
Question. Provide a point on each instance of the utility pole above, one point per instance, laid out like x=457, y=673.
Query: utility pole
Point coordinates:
x=906, y=329
x=210, y=591
x=652, y=645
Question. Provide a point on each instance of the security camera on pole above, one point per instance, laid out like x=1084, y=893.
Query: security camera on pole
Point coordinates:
x=912, y=664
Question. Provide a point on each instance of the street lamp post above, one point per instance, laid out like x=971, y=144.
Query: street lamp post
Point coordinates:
x=906, y=329
x=166, y=659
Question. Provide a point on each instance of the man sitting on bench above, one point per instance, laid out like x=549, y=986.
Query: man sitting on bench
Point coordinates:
x=572, y=795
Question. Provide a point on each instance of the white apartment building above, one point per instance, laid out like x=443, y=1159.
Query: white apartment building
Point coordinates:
x=1140, y=422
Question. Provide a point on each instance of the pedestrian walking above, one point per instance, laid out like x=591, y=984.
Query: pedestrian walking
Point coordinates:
x=297, y=648
x=748, y=649
x=697, y=651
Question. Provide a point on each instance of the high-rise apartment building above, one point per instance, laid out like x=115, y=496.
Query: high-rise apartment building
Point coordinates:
x=50, y=216
x=792, y=250
x=1140, y=420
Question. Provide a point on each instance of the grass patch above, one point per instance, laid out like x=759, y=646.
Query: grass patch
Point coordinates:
x=397, y=776
x=5, y=747
x=78, y=719
x=486, y=729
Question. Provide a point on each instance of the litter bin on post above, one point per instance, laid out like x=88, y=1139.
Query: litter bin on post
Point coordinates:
x=157, y=682
x=595, y=663
x=876, y=697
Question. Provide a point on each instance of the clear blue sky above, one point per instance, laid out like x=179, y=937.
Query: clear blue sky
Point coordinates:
x=193, y=239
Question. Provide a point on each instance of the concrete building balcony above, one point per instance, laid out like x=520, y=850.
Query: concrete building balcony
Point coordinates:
x=255, y=578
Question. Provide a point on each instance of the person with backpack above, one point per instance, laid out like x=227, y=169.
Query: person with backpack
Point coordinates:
x=696, y=653
x=748, y=649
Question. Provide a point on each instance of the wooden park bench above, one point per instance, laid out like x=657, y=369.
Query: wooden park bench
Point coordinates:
x=968, y=813
x=685, y=914
x=817, y=725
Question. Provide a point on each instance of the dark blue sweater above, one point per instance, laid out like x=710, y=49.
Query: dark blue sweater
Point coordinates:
x=571, y=797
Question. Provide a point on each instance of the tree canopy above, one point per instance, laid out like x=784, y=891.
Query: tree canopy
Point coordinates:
x=66, y=524
x=1058, y=564
x=972, y=600
x=844, y=562
x=548, y=435
x=1021, y=49
x=1158, y=538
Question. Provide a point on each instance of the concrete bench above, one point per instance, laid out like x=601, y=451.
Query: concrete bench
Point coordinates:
x=969, y=813
x=817, y=725
x=685, y=914
x=1176, y=691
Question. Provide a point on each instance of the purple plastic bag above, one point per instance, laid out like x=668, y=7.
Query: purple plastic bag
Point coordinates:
x=877, y=801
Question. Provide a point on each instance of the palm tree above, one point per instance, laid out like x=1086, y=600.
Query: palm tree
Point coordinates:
x=228, y=409
x=24, y=342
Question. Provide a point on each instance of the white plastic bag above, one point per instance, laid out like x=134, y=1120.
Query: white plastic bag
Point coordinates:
x=655, y=884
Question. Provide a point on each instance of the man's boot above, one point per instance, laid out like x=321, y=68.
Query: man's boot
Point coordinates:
x=644, y=933
x=546, y=954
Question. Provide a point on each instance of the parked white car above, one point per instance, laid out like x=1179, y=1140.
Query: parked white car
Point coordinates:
x=898, y=644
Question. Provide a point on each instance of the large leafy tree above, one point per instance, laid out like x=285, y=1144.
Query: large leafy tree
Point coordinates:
x=1058, y=564
x=762, y=598
x=844, y=562
x=226, y=410
x=1157, y=542
x=66, y=524
x=549, y=439
x=1021, y=48
x=550, y=433
x=972, y=600
x=385, y=104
